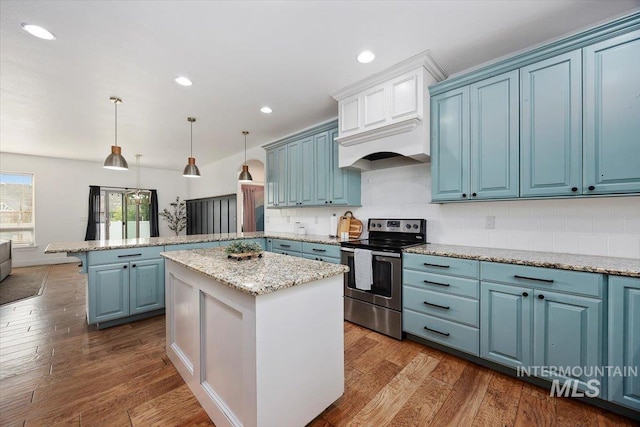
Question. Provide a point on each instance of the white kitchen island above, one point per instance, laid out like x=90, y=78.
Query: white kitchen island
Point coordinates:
x=259, y=342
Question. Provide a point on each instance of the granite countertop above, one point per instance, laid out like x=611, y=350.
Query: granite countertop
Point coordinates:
x=102, y=245
x=256, y=276
x=594, y=264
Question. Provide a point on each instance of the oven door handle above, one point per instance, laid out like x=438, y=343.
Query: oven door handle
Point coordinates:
x=375, y=253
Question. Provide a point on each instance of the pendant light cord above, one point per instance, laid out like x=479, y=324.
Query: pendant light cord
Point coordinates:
x=191, y=139
x=115, y=104
x=245, y=148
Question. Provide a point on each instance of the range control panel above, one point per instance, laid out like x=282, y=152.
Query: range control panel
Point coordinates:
x=397, y=225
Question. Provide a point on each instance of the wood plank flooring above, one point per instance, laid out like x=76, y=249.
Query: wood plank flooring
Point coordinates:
x=57, y=371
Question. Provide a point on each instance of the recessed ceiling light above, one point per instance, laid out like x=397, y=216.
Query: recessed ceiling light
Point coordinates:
x=366, y=57
x=38, y=31
x=183, y=81
x=266, y=110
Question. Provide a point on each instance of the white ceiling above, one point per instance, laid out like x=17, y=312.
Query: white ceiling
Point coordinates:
x=241, y=55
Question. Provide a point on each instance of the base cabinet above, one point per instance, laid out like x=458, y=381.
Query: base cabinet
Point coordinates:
x=624, y=340
x=527, y=323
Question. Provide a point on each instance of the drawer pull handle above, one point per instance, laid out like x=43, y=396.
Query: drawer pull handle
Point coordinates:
x=285, y=246
x=533, y=278
x=319, y=250
x=446, y=334
x=426, y=264
x=436, y=283
x=127, y=256
x=445, y=307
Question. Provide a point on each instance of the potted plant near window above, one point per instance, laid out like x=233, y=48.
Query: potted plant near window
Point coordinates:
x=176, y=217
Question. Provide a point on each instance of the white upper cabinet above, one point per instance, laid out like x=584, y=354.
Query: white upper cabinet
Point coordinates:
x=386, y=103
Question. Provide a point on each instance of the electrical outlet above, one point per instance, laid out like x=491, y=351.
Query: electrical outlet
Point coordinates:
x=490, y=222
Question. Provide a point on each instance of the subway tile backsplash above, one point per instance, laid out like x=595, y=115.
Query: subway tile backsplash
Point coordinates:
x=608, y=226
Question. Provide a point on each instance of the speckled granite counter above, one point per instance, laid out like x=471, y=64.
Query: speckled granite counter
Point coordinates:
x=595, y=264
x=255, y=276
x=102, y=245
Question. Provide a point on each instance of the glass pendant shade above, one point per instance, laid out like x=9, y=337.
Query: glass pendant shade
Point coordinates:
x=191, y=170
x=138, y=196
x=245, y=176
x=116, y=160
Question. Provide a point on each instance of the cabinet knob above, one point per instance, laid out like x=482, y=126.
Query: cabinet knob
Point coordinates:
x=591, y=188
x=473, y=194
x=525, y=294
x=133, y=266
x=540, y=296
x=326, y=201
x=124, y=266
x=464, y=195
x=574, y=189
x=330, y=201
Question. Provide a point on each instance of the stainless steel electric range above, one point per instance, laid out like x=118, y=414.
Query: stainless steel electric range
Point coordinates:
x=380, y=308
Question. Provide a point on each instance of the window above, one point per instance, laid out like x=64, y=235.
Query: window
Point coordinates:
x=17, y=219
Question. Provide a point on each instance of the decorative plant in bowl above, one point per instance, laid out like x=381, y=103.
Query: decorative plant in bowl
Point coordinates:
x=240, y=250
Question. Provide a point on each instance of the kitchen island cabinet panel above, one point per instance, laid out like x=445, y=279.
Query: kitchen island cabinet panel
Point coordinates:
x=612, y=115
x=146, y=286
x=624, y=339
x=108, y=292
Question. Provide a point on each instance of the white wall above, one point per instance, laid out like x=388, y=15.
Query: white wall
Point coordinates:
x=62, y=194
x=221, y=177
x=608, y=226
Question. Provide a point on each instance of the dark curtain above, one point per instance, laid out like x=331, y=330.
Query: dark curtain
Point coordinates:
x=93, y=218
x=153, y=215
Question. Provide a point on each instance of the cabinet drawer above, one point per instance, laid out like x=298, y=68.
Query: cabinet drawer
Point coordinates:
x=318, y=249
x=283, y=252
x=451, y=334
x=123, y=255
x=442, y=265
x=189, y=246
x=322, y=258
x=575, y=282
x=286, y=245
x=451, y=307
x=441, y=283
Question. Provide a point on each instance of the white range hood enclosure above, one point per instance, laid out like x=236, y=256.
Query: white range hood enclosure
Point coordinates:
x=388, y=113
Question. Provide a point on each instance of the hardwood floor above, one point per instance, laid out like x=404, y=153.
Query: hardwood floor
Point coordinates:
x=57, y=371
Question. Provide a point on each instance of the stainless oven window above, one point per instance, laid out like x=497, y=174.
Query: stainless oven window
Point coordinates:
x=382, y=276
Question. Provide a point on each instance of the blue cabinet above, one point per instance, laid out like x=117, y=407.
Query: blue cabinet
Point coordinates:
x=450, y=145
x=624, y=339
x=505, y=318
x=146, y=283
x=551, y=127
x=567, y=332
x=612, y=115
x=542, y=317
x=305, y=167
x=494, y=137
x=442, y=307
x=108, y=292
x=277, y=177
x=571, y=128
x=474, y=141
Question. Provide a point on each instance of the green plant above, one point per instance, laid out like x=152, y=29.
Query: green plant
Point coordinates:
x=239, y=247
x=177, y=217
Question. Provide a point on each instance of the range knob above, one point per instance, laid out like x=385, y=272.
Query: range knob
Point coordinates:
x=408, y=226
x=415, y=226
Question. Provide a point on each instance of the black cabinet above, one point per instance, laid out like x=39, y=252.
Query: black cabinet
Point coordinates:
x=212, y=215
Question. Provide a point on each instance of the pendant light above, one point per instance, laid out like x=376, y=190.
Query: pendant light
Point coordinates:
x=191, y=170
x=138, y=196
x=245, y=176
x=115, y=160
